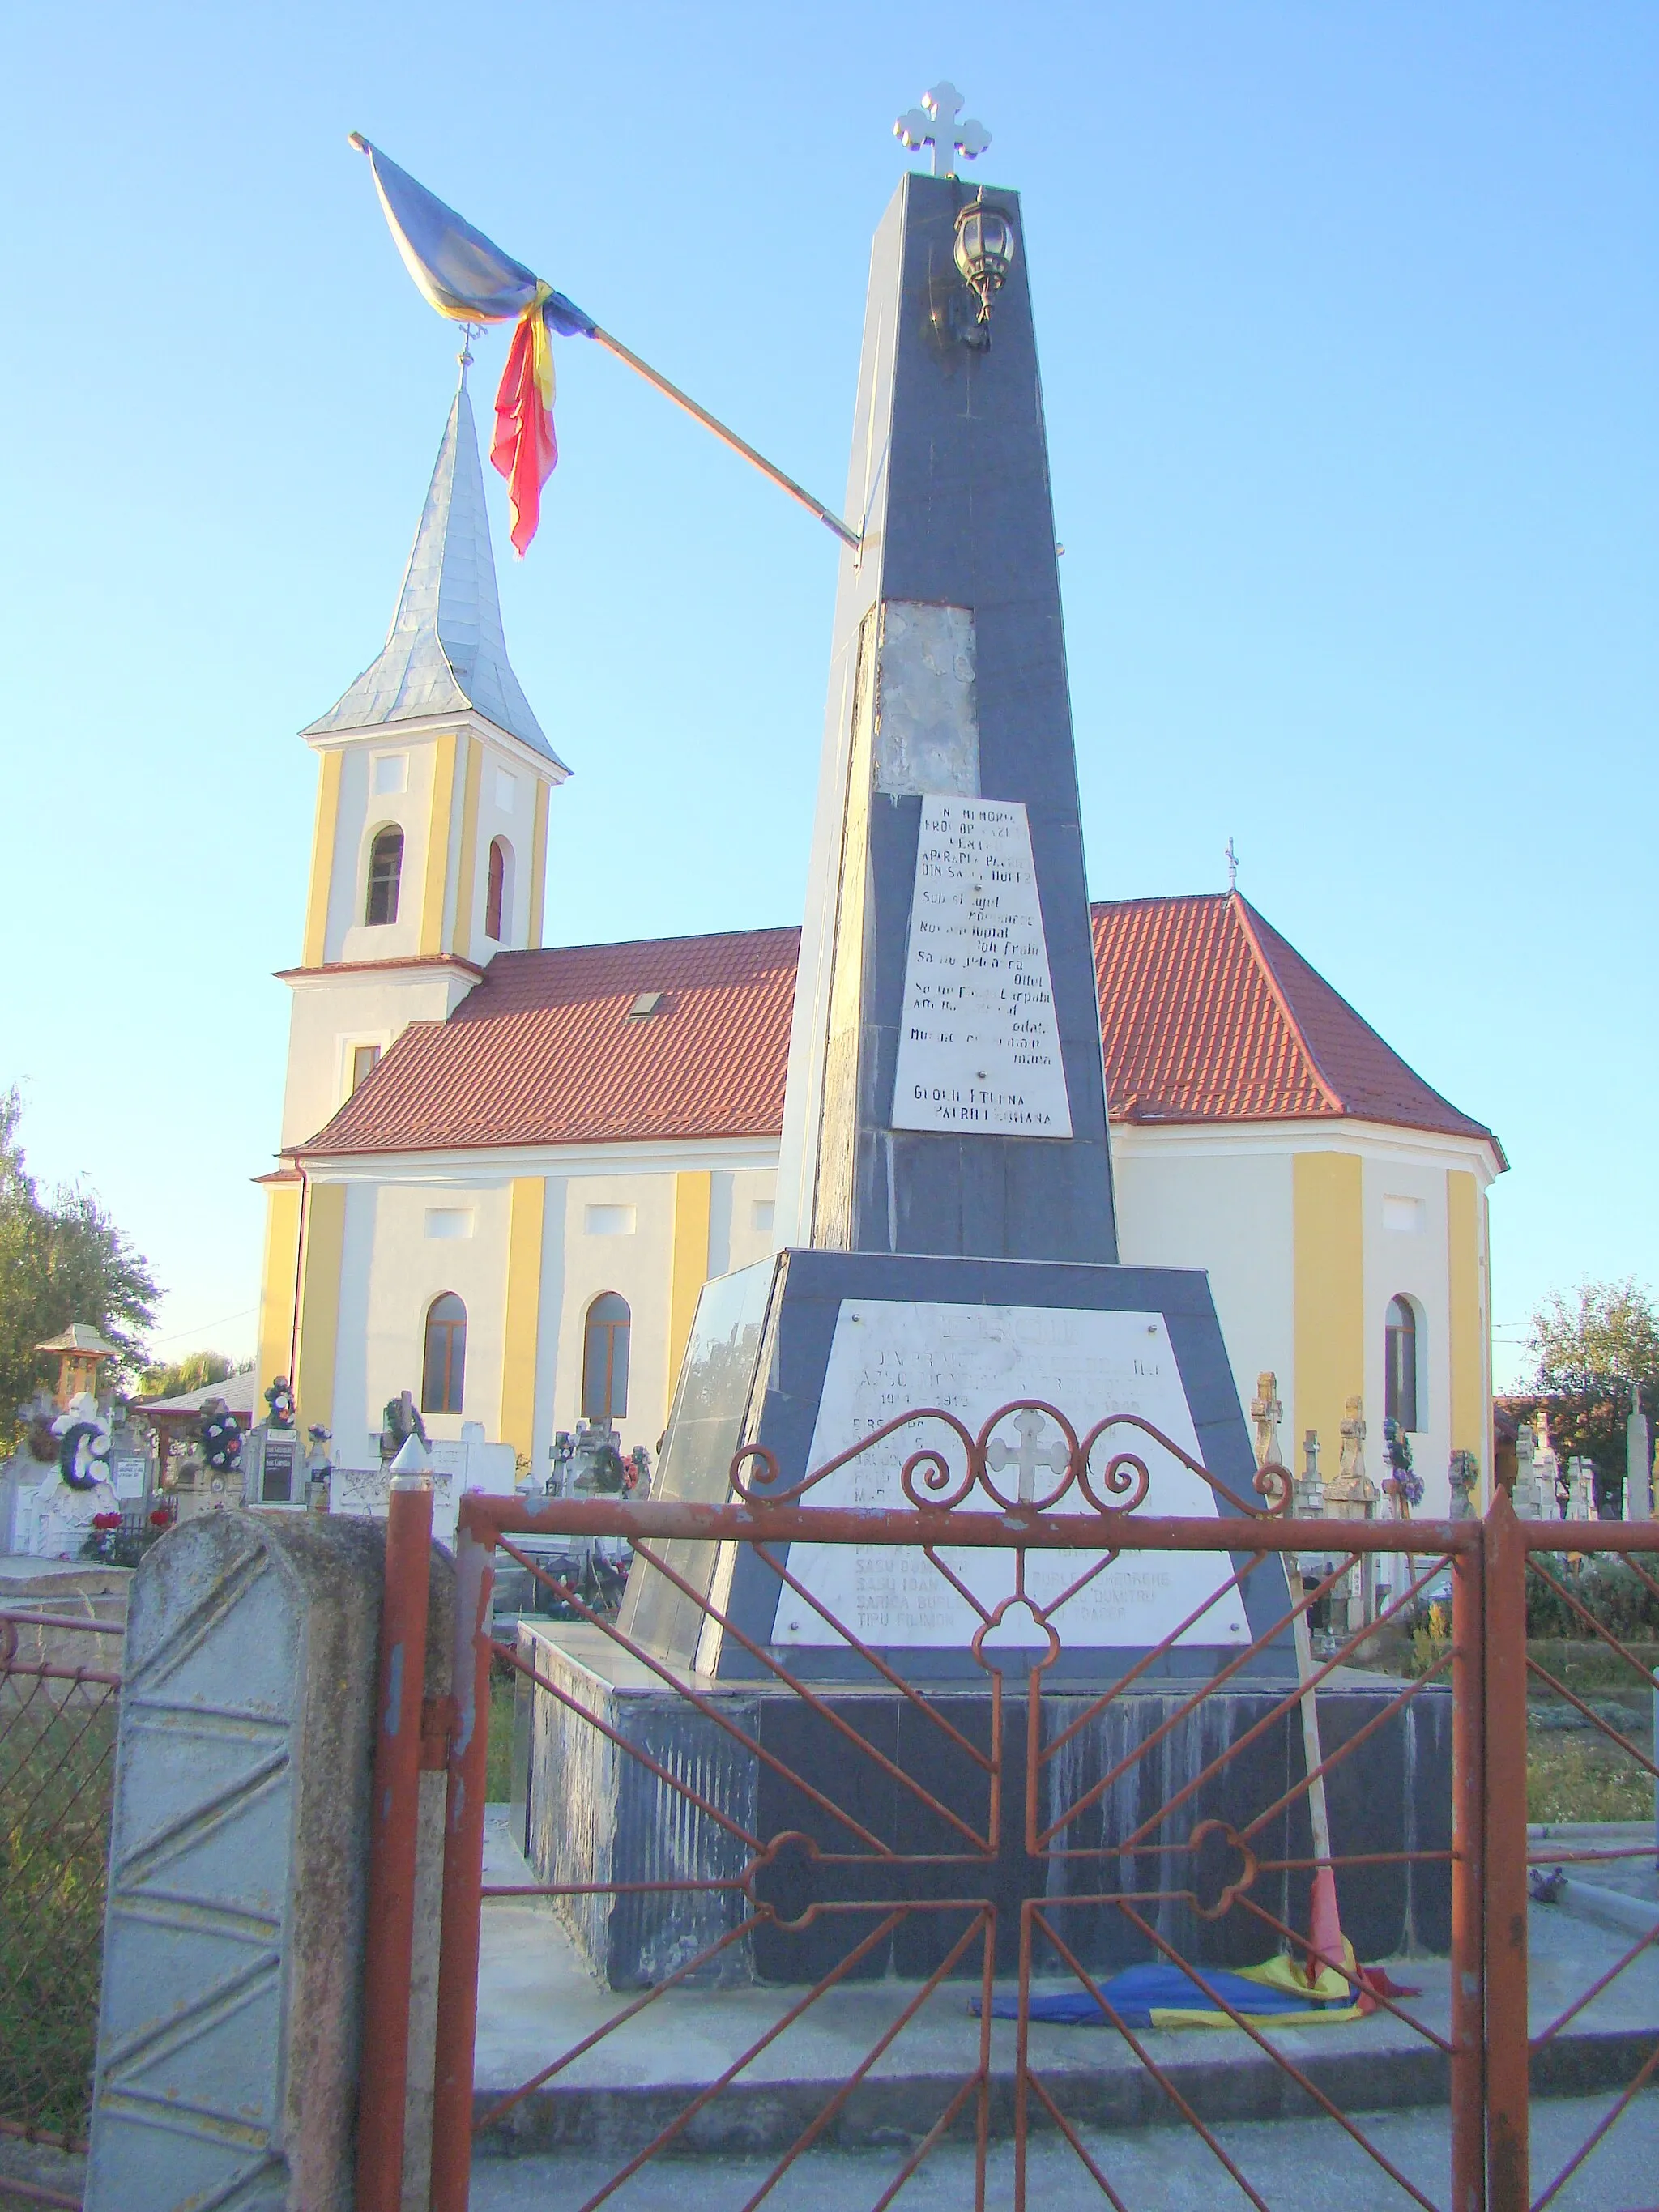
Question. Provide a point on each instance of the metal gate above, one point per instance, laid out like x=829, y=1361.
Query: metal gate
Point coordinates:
x=970, y=1859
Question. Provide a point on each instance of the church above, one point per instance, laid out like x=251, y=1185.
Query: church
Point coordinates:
x=506, y=1170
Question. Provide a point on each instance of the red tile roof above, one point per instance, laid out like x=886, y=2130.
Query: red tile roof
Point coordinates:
x=1208, y=1015
x=543, y=1051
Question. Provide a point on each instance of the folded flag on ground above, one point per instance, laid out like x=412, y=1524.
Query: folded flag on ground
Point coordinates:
x=1162, y=1996
x=466, y=277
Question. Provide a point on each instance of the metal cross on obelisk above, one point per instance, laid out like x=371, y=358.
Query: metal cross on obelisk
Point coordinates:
x=935, y=123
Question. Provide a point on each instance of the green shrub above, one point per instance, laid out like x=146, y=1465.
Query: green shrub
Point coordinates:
x=1612, y=1593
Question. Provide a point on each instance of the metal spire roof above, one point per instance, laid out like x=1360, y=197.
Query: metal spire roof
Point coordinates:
x=446, y=650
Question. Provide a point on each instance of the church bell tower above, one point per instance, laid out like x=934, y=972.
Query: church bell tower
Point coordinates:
x=430, y=847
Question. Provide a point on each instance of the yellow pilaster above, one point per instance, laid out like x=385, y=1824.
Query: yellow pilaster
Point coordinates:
x=1469, y=1410
x=278, y=1281
x=524, y=1298
x=689, y=1272
x=437, y=847
x=462, y=940
x=322, y=1249
x=1329, y=1307
x=322, y=859
x=538, y=863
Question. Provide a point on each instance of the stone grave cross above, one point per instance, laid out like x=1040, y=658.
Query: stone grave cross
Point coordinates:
x=1027, y=1455
x=1266, y=1411
x=935, y=123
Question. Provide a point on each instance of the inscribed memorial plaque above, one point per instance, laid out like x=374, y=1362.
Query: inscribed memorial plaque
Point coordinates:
x=887, y=1358
x=979, y=1045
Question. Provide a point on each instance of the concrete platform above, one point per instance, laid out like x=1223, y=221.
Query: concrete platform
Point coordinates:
x=774, y=1766
x=537, y=2000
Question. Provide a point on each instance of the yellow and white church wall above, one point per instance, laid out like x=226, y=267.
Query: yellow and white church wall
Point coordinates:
x=1308, y=1232
x=1306, y=1237
x=527, y=1248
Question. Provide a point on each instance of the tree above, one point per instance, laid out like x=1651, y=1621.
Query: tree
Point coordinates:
x=62, y=1259
x=193, y=1372
x=1596, y=1355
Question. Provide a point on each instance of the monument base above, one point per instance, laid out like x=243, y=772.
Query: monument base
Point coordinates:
x=800, y=1359
x=588, y=1812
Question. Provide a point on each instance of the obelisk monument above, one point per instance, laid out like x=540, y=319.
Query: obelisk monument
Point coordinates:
x=945, y=1197
x=946, y=1091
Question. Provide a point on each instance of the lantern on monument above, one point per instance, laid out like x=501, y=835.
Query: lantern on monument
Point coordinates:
x=984, y=252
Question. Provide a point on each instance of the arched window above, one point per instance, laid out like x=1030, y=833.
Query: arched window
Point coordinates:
x=443, y=1372
x=604, y=1358
x=1400, y=1365
x=496, y=894
x=386, y=868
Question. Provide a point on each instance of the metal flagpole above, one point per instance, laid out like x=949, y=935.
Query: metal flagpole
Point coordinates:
x=728, y=437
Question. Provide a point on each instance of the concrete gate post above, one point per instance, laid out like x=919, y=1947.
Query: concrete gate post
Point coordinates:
x=229, y=2034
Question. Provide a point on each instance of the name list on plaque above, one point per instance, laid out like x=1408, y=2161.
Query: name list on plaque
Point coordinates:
x=979, y=1044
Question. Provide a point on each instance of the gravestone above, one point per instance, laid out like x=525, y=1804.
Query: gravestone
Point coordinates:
x=456, y=1465
x=1526, y=1494
x=1638, y=1465
x=273, y=1467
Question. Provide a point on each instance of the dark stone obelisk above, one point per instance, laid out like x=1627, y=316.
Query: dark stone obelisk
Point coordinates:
x=947, y=680
x=944, y=1196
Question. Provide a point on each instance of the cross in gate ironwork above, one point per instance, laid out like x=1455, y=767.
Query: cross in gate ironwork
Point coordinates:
x=1027, y=1455
x=935, y=123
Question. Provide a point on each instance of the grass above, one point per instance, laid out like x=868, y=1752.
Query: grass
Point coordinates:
x=57, y=1769
x=498, y=1784
x=1585, y=1777
x=1583, y=1774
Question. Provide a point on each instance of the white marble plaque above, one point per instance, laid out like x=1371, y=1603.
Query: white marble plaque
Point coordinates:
x=979, y=1045
x=889, y=1357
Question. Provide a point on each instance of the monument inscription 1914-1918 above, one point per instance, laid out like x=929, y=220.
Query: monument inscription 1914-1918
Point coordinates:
x=888, y=1358
x=979, y=1045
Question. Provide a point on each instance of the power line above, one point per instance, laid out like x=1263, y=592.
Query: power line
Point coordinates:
x=196, y=1329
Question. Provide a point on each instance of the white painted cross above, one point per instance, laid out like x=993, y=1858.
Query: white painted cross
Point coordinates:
x=1027, y=1455
x=935, y=123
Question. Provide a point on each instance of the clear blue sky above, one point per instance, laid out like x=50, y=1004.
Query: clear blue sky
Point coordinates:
x=1348, y=329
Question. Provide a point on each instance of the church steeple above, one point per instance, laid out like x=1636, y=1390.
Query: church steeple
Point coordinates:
x=446, y=651
x=432, y=805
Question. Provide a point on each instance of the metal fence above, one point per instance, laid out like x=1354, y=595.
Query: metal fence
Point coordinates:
x=994, y=1849
x=1004, y=1841
x=949, y=1878
x=1599, y=1969
x=59, y=1693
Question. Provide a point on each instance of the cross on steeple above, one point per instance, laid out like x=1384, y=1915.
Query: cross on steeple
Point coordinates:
x=935, y=123
x=1027, y=1455
x=1232, y=866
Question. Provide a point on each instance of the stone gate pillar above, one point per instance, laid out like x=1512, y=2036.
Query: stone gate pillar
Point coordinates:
x=228, y=2035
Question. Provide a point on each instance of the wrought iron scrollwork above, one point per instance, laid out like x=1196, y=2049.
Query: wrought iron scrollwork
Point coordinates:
x=938, y=1477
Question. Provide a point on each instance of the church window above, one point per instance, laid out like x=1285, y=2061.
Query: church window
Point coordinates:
x=363, y=1057
x=1400, y=1365
x=496, y=894
x=604, y=1358
x=386, y=868
x=443, y=1373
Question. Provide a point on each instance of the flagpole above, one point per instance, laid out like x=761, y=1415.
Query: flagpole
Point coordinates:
x=728, y=437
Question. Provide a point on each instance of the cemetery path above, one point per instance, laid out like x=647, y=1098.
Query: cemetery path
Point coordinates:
x=1297, y=2166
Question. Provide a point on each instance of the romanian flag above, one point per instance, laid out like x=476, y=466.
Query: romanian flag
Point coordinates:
x=1160, y=1995
x=464, y=275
